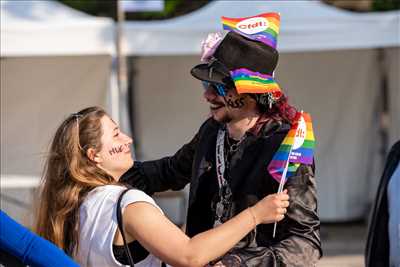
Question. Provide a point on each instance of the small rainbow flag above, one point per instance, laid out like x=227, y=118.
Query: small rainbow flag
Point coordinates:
x=300, y=143
x=247, y=81
x=263, y=27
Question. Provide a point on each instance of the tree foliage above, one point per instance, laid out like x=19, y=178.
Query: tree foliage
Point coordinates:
x=384, y=5
x=108, y=8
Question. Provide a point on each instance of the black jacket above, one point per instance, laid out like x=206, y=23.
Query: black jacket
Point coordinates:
x=297, y=242
x=377, y=248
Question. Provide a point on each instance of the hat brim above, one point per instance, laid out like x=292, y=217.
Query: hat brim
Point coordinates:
x=205, y=72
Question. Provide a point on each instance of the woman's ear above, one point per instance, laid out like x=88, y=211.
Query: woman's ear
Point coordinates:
x=93, y=155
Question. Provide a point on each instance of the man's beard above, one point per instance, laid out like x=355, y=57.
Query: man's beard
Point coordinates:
x=226, y=118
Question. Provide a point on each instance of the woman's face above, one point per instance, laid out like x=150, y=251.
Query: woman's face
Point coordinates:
x=115, y=156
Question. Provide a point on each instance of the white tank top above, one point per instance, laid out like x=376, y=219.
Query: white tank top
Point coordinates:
x=98, y=224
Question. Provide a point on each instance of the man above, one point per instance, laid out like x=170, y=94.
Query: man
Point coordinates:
x=383, y=242
x=227, y=163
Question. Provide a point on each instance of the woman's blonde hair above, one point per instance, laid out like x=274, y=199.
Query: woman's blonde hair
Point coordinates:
x=68, y=176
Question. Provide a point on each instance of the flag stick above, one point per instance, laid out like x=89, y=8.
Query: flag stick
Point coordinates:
x=283, y=180
x=281, y=184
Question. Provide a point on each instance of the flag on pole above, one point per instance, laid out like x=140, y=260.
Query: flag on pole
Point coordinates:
x=297, y=147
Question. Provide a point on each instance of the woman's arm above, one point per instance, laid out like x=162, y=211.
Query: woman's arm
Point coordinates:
x=162, y=238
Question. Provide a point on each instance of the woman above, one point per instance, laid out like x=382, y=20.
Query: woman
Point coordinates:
x=78, y=207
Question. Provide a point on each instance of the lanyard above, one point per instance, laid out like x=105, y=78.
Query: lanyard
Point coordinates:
x=225, y=193
x=220, y=158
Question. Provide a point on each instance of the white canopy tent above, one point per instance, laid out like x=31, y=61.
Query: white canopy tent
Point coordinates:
x=48, y=28
x=306, y=25
x=328, y=66
x=54, y=61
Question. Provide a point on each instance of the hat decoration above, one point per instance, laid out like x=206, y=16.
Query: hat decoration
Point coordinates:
x=209, y=45
x=262, y=28
x=247, y=81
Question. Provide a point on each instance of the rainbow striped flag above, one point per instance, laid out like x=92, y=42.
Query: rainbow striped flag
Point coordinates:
x=263, y=27
x=247, y=81
x=299, y=143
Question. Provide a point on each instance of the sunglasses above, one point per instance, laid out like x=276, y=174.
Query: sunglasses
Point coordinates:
x=219, y=88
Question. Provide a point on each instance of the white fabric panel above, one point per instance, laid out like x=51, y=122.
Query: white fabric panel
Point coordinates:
x=169, y=108
x=393, y=59
x=36, y=95
x=305, y=26
x=50, y=28
x=339, y=90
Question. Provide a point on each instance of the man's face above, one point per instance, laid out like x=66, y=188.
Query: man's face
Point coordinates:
x=230, y=107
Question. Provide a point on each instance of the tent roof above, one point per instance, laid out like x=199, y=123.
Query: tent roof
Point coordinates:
x=305, y=26
x=31, y=28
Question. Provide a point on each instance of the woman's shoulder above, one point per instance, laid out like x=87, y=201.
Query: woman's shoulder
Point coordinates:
x=105, y=190
x=112, y=192
x=135, y=195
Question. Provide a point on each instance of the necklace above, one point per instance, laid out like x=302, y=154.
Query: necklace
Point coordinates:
x=234, y=146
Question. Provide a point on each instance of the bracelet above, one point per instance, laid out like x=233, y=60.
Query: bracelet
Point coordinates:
x=252, y=215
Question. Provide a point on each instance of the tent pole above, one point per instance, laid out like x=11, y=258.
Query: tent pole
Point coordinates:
x=123, y=116
x=121, y=66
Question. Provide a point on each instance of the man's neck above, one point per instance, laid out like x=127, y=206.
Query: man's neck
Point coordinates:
x=237, y=128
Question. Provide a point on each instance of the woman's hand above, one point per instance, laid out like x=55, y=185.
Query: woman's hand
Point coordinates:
x=271, y=208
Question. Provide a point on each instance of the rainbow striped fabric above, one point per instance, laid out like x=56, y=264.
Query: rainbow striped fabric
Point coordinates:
x=263, y=27
x=247, y=81
x=300, y=143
